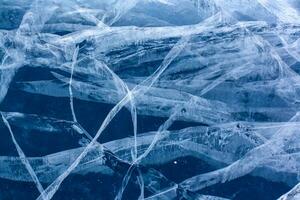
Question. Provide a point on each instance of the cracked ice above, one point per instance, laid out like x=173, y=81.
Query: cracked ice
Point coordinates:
x=150, y=99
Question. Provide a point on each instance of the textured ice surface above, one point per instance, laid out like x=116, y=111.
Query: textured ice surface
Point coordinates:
x=149, y=99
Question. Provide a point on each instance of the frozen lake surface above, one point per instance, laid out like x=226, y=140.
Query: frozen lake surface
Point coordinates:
x=149, y=99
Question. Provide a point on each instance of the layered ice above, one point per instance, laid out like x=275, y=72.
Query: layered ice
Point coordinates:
x=123, y=88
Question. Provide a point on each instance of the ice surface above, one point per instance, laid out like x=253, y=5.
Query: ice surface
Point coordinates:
x=293, y=194
x=123, y=88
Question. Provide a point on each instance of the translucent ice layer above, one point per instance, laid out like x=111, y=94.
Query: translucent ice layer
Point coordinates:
x=150, y=99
